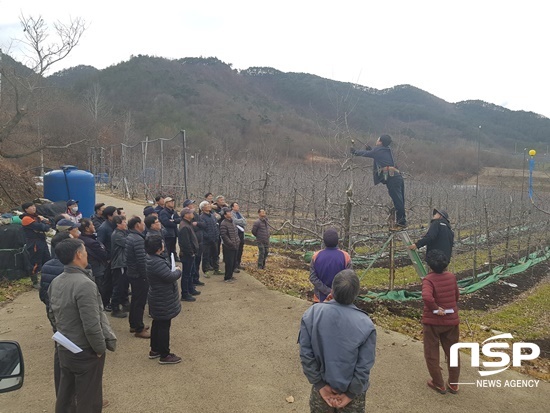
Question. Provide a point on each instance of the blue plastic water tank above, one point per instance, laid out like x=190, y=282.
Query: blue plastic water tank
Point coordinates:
x=69, y=182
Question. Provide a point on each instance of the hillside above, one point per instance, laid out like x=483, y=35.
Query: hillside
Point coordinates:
x=286, y=114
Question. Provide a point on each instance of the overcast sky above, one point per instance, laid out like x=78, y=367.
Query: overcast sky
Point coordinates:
x=496, y=51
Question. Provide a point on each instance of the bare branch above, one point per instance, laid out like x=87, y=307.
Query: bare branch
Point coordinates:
x=40, y=148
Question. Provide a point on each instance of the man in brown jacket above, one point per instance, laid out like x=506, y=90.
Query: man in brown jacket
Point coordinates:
x=76, y=311
x=260, y=230
x=230, y=243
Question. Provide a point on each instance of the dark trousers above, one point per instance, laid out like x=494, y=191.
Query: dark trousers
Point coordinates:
x=187, y=265
x=229, y=257
x=396, y=189
x=263, y=251
x=210, y=256
x=107, y=289
x=198, y=258
x=140, y=287
x=160, y=337
x=447, y=336
x=38, y=255
x=81, y=378
x=120, y=287
x=56, y=369
x=240, y=251
x=318, y=405
x=170, y=243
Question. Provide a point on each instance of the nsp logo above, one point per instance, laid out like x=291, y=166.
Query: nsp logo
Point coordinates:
x=488, y=349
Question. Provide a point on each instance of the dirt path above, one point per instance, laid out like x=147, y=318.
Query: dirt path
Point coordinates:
x=240, y=354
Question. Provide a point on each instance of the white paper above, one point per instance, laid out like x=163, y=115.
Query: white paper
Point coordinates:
x=65, y=342
x=173, y=261
x=240, y=228
x=448, y=311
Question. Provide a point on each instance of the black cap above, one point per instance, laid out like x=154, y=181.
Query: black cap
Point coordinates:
x=188, y=202
x=27, y=205
x=441, y=212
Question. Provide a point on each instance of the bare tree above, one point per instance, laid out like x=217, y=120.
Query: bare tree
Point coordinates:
x=41, y=54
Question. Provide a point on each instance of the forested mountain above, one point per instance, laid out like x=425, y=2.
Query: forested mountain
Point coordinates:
x=291, y=114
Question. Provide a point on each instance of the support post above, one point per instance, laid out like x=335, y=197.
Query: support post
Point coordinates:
x=392, y=264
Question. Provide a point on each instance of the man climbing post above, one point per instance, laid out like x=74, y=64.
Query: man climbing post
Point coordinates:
x=386, y=172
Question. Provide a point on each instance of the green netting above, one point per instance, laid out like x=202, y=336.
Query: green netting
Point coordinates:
x=467, y=285
x=300, y=243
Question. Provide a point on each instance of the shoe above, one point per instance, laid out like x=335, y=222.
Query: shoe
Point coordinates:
x=133, y=330
x=206, y=275
x=199, y=283
x=126, y=308
x=36, y=286
x=233, y=278
x=170, y=359
x=188, y=297
x=154, y=354
x=108, y=308
x=143, y=334
x=229, y=281
x=119, y=314
x=196, y=292
x=453, y=388
x=401, y=225
x=236, y=271
x=440, y=390
x=218, y=272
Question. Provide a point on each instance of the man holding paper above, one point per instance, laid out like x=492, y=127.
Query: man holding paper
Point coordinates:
x=76, y=311
x=440, y=320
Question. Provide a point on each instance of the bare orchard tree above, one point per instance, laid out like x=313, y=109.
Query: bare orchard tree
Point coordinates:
x=41, y=54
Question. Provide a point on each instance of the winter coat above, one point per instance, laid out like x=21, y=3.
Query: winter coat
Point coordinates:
x=238, y=219
x=76, y=310
x=98, y=256
x=104, y=233
x=260, y=230
x=34, y=227
x=440, y=236
x=381, y=156
x=170, y=220
x=325, y=264
x=440, y=290
x=199, y=228
x=211, y=229
x=187, y=240
x=50, y=270
x=118, y=248
x=163, y=297
x=136, y=257
x=229, y=234
x=97, y=221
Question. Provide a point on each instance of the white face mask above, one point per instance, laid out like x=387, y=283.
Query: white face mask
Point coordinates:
x=74, y=209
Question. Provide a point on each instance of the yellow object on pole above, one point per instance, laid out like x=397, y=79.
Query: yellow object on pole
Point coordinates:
x=532, y=152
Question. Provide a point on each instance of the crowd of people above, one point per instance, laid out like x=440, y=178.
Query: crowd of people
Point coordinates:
x=111, y=263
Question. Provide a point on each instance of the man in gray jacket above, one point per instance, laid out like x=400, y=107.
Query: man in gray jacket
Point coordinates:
x=337, y=348
x=76, y=311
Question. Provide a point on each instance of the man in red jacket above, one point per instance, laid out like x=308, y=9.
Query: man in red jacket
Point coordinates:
x=440, y=320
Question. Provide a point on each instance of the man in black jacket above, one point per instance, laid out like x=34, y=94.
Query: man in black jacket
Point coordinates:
x=104, y=233
x=98, y=257
x=98, y=217
x=385, y=171
x=136, y=264
x=211, y=235
x=189, y=247
x=440, y=236
x=170, y=221
x=118, y=266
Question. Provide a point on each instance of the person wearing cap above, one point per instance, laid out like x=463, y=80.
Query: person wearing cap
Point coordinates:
x=325, y=264
x=72, y=211
x=35, y=227
x=229, y=235
x=189, y=247
x=148, y=210
x=98, y=218
x=170, y=221
x=65, y=225
x=385, y=171
x=240, y=222
x=440, y=236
